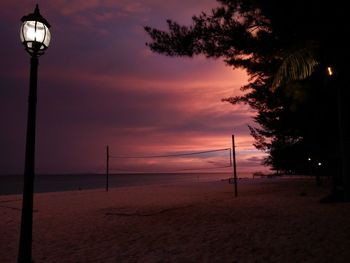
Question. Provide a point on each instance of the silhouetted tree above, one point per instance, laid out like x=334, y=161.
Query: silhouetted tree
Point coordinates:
x=285, y=47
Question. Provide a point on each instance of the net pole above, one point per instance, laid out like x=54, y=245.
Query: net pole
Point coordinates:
x=107, y=167
x=234, y=164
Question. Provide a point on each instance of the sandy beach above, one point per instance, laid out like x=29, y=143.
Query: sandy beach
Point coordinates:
x=272, y=220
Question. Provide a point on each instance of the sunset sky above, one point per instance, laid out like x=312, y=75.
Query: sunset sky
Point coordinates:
x=99, y=85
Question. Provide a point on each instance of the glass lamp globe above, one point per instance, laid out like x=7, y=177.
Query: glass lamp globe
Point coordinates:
x=35, y=34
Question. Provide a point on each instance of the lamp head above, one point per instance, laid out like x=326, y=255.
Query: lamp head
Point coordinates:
x=35, y=34
x=330, y=71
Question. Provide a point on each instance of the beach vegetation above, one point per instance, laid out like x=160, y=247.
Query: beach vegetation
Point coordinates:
x=288, y=49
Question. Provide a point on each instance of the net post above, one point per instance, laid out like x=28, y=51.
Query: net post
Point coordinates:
x=234, y=164
x=107, y=167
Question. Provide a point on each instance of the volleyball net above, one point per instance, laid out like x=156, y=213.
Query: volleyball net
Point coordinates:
x=212, y=160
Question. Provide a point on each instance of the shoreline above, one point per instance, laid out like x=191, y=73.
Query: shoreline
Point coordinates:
x=44, y=183
x=47, y=183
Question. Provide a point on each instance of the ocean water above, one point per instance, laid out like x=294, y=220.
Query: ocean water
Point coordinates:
x=13, y=184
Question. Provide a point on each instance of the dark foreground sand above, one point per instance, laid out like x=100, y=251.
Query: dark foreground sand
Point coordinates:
x=276, y=220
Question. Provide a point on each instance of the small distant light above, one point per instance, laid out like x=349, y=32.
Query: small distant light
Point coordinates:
x=309, y=159
x=330, y=71
x=319, y=164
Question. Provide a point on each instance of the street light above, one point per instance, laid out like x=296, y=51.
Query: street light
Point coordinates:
x=35, y=36
x=342, y=180
x=310, y=165
x=329, y=71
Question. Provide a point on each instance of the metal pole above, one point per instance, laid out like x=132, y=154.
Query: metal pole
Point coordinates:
x=107, y=167
x=25, y=242
x=234, y=164
x=341, y=148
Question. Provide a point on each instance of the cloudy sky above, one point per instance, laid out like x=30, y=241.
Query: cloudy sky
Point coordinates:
x=99, y=85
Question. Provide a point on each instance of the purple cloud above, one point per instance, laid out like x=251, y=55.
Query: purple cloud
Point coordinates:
x=99, y=84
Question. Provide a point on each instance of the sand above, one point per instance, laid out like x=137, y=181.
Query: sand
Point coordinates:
x=275, y=220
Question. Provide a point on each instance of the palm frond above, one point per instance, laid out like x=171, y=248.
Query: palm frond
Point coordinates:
x=296, y=66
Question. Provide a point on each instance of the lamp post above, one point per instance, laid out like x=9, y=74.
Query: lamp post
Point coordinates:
x=340, y=182
x=310, y=165
x=35, y=36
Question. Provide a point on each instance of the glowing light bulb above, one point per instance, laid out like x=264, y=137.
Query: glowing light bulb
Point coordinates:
x=330, y=71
